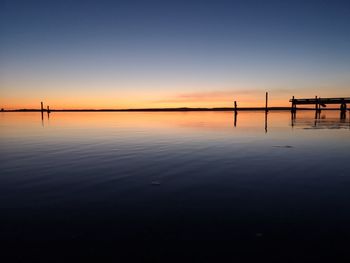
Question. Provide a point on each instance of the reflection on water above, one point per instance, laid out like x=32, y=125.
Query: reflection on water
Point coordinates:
x=304, y=119
x=322, y=120
x=192, y=178
x=312, y=120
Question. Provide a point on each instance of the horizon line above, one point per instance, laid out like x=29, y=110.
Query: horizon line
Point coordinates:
x=163, y=109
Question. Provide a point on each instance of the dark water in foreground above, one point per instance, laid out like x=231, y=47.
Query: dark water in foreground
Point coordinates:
x=175, y=186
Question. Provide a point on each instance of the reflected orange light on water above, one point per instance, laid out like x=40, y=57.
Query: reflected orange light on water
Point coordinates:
x=171, y=122
x=166, y=127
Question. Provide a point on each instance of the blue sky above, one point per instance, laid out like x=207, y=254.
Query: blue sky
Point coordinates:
x=171, y=53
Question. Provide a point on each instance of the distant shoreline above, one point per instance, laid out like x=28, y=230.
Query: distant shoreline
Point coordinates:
x=166, y=109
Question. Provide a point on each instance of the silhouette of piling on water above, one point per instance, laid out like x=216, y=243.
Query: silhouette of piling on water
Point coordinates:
x=343, y=110
x=42, y=110
x=266, y=109
x=343, y=115
x=294, y=106
x=343, y=106
x=235, y=113
x=48, y=112
x=319, y=104
x=235, y=119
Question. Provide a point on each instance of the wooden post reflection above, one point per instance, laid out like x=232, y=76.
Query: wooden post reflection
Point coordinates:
x=317, y=116
x=235, y=119
x=343, y=115
x=293, y=116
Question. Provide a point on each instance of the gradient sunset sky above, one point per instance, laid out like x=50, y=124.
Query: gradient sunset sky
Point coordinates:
x=140, y=54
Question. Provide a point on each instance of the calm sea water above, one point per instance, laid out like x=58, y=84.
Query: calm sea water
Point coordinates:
x=163, y=184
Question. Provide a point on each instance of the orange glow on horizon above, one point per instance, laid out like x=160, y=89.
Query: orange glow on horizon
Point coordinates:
x=147, y=99
x=144, y=100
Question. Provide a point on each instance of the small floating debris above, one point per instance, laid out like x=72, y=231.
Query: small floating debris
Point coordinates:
x=155, y=183
x=283, y=146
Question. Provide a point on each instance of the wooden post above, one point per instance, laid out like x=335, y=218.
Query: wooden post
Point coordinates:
x=293, y=110
x=343, y=107
x=316, y=103
x=266, y=101
x=343, y=111
x=48, y=112
x=319, y=104
x=236, y=107
x=42, y=111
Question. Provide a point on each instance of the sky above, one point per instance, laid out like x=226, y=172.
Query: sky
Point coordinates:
x=152, y=54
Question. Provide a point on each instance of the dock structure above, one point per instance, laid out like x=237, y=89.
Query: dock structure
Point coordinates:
x=320, y=102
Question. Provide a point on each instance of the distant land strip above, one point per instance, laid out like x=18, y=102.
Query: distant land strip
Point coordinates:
x=165, y=109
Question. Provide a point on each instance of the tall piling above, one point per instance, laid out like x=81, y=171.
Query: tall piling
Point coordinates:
x=42, y=111
x=48, y=112
x=319, y=104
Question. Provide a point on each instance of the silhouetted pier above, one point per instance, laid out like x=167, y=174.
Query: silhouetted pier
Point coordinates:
x=320, y=102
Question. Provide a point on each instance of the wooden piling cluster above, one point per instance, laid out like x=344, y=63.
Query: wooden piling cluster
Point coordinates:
x=42, y=108
x=235, y=108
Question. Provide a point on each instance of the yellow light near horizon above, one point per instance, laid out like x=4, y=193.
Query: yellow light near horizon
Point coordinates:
x=125, y=99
